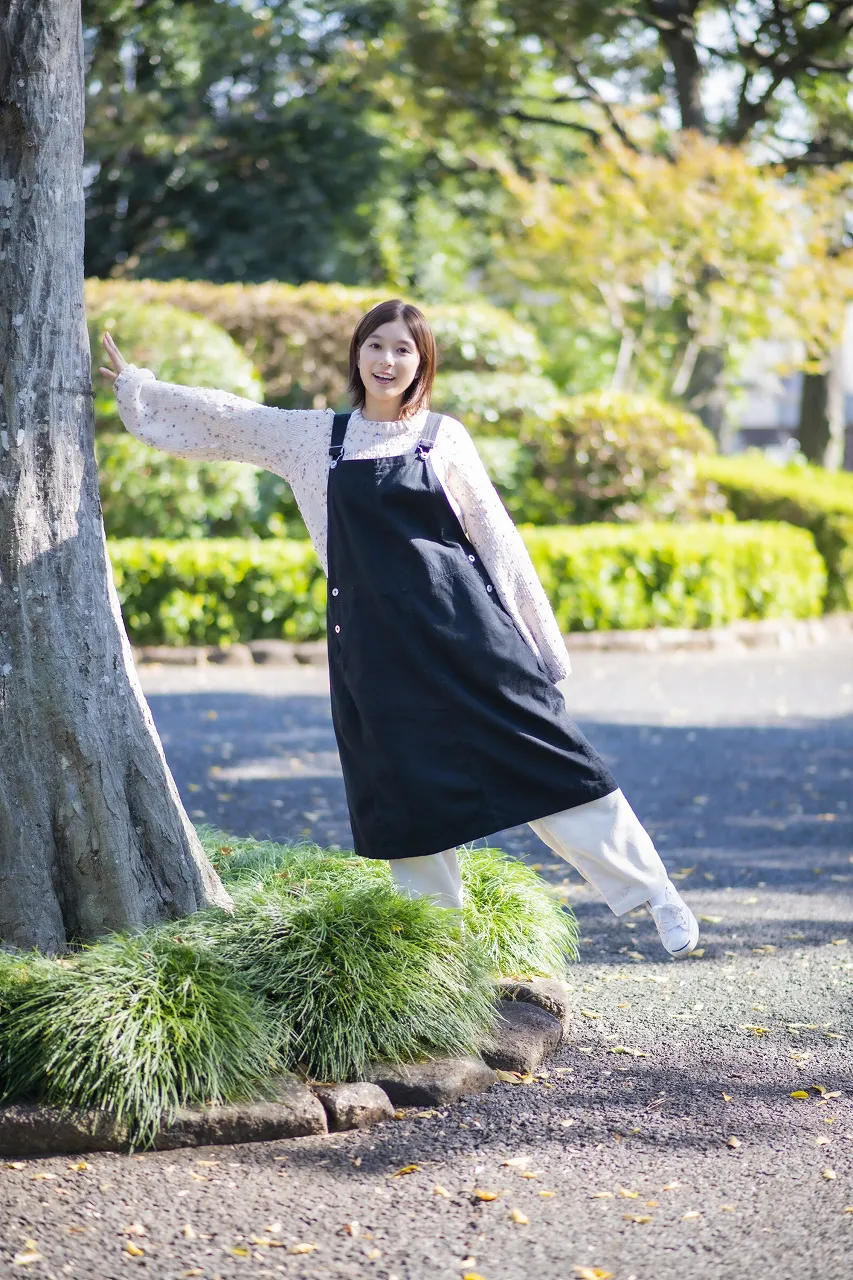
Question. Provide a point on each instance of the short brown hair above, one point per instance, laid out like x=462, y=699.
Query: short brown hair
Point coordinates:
x=417, y=396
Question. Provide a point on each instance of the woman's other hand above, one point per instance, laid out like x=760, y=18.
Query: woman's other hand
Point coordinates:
x=117, y=360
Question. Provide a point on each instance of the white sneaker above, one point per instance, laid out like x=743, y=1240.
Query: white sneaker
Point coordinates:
x=675, y=922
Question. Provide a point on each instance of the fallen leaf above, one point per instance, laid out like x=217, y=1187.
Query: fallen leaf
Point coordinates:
x=74, y=1230
x=406, y=1169
x=637, y=1217
x=727, y=1208
x=603, y=1195
x=43, y=1177
x=425, y=1115
x=590, y=1013
x=79, y=1166
x=135, y=1251
x=439, y=1190
x=821, y=1142
x=373, y=1254
x=849, y=1209
x=193, y=1271
x=350, y=1228
x=592, y=1273
x=691, y=1213
x=479, y=1194
x=527, y=1174
x=727, y=1097
x=840, y=942
x=829, y=1174
x=514, y=1077
x=189, y=1232
x=198, y=1177
x=670, y=1186
x=240, y=1252
x=517, y=1162
x=710, y=919
x=626, y=1194
x=135, y=1229
x=15, y=1164
x=623, y=1048
x=28, y=1255
x=696, y=954
x=473, y=1275
x=802, y=1094
x=547, y=1194
x=302, y=1248
x=734, y=1143
x=565, y=1124
x=756, y=1030
x=521, y=1218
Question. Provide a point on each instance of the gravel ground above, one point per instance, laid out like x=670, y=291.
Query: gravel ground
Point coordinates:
x=662, y=1141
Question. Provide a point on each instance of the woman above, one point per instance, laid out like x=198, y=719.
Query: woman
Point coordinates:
x=444, y=653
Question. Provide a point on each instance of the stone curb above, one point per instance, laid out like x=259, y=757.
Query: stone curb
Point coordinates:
x=769, y=633
x=526, y=1031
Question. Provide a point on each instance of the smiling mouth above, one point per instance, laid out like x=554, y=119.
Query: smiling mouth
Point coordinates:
x=384, y=377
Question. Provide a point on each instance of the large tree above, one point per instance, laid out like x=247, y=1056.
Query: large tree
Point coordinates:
x=93, y=836
x=226, y=141
x=772, y=75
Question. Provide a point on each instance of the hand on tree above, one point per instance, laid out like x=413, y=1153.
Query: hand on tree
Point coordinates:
x=116, y=359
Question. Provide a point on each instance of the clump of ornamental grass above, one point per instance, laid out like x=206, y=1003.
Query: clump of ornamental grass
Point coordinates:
x=135, y=1026
x=357, y=973
x=515, y=917
x=243, y=861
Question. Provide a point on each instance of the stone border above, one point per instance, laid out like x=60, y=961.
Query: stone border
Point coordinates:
x=530, y=1025
x=769, y=633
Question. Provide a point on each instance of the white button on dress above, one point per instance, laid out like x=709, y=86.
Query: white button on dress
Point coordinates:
x=337, y=629
x=334, y=591
x=472, y=558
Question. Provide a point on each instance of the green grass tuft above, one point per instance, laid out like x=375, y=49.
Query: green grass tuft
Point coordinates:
x=514, y=915
x=135, y=1026
x=357, y=973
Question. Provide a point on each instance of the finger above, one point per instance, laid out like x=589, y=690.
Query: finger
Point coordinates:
x=108, y=373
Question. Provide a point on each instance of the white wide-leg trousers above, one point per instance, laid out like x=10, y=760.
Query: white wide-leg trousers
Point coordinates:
x=604, y=840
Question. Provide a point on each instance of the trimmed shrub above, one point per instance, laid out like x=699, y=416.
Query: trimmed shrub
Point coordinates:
x=611, y=577
x=817, y=500
x=598, y=577
x=146, y=493
x=218, y=591
x=612, y=456
x=178, y=347
x=298, y=336
x=497, y=404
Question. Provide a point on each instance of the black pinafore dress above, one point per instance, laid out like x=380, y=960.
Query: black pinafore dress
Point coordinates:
x=447, y=723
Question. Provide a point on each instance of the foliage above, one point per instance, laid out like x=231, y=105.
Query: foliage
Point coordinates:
x=136, y=1026
x=510, y=913
x=500, y=404
x=299, y=337
x=612, y=456
x=817, y=500
x=617, y=577
x=150, y=494
x=675, y=253
x=219, y=591
x=523, y=929
x=177, y=346
x=228, y=141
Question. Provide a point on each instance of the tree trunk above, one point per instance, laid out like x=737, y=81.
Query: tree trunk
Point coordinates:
x=706, y=393
x=93, y=836
x=822, y=425
x=677, y=33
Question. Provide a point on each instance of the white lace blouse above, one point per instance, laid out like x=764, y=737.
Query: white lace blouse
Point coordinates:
x=194, y=422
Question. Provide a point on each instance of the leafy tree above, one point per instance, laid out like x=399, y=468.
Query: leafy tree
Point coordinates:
x=225, y=140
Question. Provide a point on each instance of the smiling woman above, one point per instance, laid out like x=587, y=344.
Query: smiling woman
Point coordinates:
x=392, y=362
x=444, y=651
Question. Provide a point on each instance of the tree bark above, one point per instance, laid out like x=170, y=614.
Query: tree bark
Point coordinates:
x=93, y=836
x=822, y=424
x=676, y=27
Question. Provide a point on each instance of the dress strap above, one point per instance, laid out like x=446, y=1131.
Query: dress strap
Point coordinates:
x=429, y=434
x=340, y=422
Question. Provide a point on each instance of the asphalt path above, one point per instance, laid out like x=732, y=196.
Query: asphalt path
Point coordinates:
x=662, y=1141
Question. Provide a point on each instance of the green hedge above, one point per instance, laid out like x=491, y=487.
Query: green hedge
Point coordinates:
x=298, y=336
x=817, y=500
x=607, y=577
x=618, y=577
x=177, y=346
x=497, y=404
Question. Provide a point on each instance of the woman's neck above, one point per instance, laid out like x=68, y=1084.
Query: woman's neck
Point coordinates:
x=382, y=410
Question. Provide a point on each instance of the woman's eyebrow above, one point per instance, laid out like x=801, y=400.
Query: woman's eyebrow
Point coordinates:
x=400, y=342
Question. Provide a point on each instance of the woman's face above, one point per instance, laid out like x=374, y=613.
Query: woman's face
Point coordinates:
x=388, y=363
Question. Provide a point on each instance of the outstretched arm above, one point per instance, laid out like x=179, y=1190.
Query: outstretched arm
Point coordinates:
x=196, y=422
x=501, y=548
